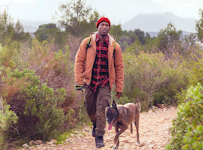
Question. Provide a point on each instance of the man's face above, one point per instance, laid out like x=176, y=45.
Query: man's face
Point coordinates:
x=103, y=28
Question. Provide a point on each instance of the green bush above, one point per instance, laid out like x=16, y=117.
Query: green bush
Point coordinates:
x=37, y=106
x=193, y=72
x=45, y=104
x=7, y=119
x=152, y=77
x=187, y=130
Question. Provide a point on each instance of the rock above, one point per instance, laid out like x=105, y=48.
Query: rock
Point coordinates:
x=86, y=129
x=37, y=142
x=49, y=143
x=125, y=141
x=31, y=143
x=54, y=141
x=31, y=148
x=167, y=118
x=161, y=106
x=25, y=145
x=67, y=140
x=142, y=144
x=151, y=146
x=108, y=140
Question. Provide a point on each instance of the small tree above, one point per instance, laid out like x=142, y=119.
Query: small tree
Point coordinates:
x=116, y=31
x=169, y=39
x=75, y=17
x=43, y=32
x=141, y=35
x=10, y=31
x=199, y=25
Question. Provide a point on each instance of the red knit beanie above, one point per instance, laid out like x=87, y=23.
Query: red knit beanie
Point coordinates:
x=101, y=20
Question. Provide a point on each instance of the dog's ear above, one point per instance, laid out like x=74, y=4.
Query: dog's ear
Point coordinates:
x=114, y=104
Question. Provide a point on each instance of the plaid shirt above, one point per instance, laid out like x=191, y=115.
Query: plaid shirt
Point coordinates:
x=100, y=76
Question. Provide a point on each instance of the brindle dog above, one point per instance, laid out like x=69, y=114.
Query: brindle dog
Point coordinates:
x=120, y=116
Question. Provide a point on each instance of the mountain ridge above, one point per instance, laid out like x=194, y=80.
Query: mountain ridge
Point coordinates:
x=157, y=21
x=151, y=22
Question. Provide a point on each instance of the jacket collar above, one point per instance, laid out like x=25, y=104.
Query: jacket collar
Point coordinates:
x=111, y=38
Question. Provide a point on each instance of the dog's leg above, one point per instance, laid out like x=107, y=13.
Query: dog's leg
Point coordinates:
x=116, y=146
x=131, y=128
x=116, y=139
x=137, y=128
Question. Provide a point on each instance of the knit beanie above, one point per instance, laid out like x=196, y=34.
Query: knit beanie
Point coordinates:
x=101, y=20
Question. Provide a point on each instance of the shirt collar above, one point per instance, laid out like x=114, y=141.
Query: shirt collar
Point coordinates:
x=106, y=40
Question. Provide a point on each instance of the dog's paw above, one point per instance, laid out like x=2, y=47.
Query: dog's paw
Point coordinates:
x=115, y=147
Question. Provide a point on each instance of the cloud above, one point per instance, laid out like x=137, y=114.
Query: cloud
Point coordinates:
x=185, y=5
x=21, y=1
x=179, y=3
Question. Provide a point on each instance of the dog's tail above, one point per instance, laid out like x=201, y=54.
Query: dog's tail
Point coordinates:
x=138, y=105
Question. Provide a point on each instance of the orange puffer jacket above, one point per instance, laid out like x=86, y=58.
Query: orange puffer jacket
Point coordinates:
x=84, y=62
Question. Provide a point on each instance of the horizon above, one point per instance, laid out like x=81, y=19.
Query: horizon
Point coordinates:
x=40, y=12
x=35, y=9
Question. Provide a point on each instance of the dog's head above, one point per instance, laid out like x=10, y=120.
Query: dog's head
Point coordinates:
x=111, y=113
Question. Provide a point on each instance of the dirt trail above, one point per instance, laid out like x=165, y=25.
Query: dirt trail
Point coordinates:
x=154, y=134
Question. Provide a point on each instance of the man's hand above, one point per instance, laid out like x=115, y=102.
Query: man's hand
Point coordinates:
x=118, y=95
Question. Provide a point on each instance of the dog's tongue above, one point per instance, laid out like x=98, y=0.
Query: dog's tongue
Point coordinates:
x=110, y=126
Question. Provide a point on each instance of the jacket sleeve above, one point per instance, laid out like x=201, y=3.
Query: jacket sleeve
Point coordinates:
x=119, y=68
x=80, y=62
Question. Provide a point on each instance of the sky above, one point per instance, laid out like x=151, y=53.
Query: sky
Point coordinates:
x=118, y=11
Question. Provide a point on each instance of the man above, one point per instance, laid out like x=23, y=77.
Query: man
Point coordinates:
x=97, y=67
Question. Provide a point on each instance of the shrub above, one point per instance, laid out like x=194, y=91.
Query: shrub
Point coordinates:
x=38, y=106
x=46, y=90
x=193, y=72
x=152, y=77
x=188, y=127
x=44, y=103
x=7, y=119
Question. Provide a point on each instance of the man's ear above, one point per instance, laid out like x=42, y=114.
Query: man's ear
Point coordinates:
x=114, y=104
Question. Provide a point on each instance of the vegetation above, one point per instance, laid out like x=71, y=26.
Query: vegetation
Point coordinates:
x=9, y=31
x=43, y=33
x=127, y=38
x=188, y=126
x=199, y=26
x=7, y=119
x=77, y=18
x=151, y=77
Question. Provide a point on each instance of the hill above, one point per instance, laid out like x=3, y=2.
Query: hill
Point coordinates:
x=156, y=22
x=28, y=28
x=32, y=26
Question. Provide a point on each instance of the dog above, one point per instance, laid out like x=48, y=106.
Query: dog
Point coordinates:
x=120, y=116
